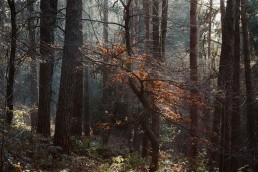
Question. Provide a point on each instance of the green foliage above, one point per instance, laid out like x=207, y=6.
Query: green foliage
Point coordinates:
x=168, y=133
x=21, y=118
x=132, y=162
x=202, y=161
x=169, y=161
x=46, y=162
x=80, y=146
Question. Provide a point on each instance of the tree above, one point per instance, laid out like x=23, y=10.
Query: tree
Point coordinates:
x=71, y=53
x=235, y=118
x=86, y=102
x=155, y=30
x=33, y=65
x=164, y=19
x=193, y=110
x=224, y=94
x=217, y=116
x=156, y=55
x=76, y=121
x=209, y=29
x=47, y=24
x=250, y=101
x=146, y=5
x=11, y=63
x=106, y=90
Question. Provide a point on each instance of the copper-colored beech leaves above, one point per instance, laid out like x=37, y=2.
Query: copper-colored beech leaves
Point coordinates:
x=150, y=74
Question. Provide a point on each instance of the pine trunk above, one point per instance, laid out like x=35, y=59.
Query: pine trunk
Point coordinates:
x=76, y=120
x=33, y=66
x=235, y=118
x=193, y=110
x=164, y=27
x=47, y=24
x=86, y=102
x=146, y=5
x=73, y=37
x=11, y=64
x=223, y=106
x=250, y=100
x=106, y=89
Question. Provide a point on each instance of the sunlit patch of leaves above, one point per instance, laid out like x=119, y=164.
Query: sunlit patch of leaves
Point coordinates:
x=131, y=163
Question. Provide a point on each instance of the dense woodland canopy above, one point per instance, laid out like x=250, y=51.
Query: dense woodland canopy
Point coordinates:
x=129, y=85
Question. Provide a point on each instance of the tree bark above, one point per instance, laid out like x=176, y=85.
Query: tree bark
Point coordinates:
x=33, y=65
x=11, y=64
x=209, y=29
x=155, y=30
x=73, y=37
x=106, y=89
x=223, y=102
x=147, y=25
x=217, y=116
x=86, y=101
x=235, y=118
x=146, y=5
x=156, y=55
x=164, y=27
x=76, y=121
x=47, y=24
x=250, y=100
x=222, y=12
x=193, y=110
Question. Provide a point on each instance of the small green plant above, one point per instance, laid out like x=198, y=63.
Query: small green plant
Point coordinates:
x=202, y=161
x=132, y=162
x=80, y=146
x=21, y=118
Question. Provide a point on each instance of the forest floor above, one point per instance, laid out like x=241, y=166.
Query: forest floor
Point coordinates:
x=24, y=150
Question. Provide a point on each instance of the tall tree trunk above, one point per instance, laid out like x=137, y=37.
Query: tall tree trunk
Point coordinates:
x=155, y=119
x=164, y=20
x=147, y=25
x=193, y=110
x=11, y=64
x=223, y=102
x=155, y=55
x=209, y=29
x=146, y=6
x=127, y=27
x=106, y=90
x=136, y=138
x=222, y=11
x=47, y=24
x=214, y=155
x=155, y=30
x=86, y=102
x=235, y=118
x=250, y=100
x=33, y=65
x=73, y=37
x=76, y=121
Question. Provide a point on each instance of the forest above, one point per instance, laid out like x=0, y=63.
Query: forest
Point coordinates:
x=129, y=85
